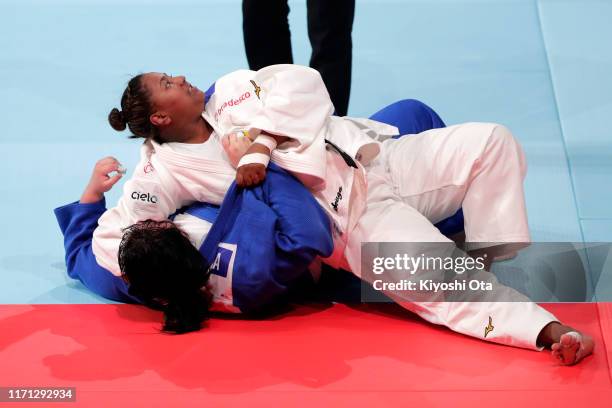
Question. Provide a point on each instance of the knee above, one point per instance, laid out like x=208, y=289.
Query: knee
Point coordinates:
x=500, y=133
x=428, y=118
x=410, y=116
x=502, y=138
x=414, y=105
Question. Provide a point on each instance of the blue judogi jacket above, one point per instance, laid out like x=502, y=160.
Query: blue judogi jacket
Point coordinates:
x=274, y=231
x=264, y=238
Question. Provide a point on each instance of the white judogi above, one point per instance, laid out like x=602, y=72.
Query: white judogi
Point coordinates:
x=414, y=182
x=420, y=180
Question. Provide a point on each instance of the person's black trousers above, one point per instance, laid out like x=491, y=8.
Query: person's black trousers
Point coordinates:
x=267, y=40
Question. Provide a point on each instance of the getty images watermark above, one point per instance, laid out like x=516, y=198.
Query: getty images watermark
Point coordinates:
x=407, y=264
x=486, y=272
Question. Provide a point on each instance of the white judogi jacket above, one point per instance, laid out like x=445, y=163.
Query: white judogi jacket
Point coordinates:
x=286, y=100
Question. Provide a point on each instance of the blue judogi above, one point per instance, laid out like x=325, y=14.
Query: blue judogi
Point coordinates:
x=271, y=233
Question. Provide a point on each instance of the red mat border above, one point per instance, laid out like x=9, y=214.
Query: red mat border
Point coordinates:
x=605, y=322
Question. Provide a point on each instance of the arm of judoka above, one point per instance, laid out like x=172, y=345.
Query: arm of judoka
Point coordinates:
x=253, y=172
x=261, y=148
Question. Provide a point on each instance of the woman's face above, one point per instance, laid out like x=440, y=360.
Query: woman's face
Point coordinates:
x=174, y=97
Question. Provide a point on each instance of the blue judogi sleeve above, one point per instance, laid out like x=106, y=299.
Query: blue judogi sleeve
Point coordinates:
x=265, y=238
x=77, y=222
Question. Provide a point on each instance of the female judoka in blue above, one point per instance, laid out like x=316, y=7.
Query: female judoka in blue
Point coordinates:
x=166, y=272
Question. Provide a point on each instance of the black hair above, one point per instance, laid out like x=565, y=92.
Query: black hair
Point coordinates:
x=166, y=272
x=136, y=108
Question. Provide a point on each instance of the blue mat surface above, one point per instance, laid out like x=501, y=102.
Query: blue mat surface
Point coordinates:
x=577, y=37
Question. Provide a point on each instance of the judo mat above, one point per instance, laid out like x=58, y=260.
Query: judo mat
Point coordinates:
x=315, y=355
x=540, y=67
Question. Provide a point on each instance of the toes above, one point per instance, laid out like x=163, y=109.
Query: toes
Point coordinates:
x=586, y=348
x=570, y=339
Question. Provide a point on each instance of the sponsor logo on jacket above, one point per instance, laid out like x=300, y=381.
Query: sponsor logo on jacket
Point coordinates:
x=337, y=200
x=231, y=102
x=146, y=197
x=257, y=89
x=489, y=328
x=148, y=168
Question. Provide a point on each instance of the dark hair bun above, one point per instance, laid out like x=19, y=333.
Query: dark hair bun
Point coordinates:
x=117, y=120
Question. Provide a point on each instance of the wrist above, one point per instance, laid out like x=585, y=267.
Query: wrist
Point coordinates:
x=254, y=158
x=267, y=141
x=551, y=333
x=258, y=148
x=91, y=197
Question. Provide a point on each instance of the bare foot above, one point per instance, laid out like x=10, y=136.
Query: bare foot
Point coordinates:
x=572, y=347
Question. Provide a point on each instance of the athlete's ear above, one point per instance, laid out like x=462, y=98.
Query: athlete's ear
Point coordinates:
x=160, y=119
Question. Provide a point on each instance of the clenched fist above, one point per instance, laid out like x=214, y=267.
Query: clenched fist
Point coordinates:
x=100, y=181
x=249, y=175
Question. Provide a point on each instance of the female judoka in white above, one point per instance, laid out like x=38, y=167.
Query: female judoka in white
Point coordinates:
x=412, y=182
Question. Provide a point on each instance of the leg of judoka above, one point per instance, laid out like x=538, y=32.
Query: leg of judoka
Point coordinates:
x=494, y=203
x=409, y=116
x=389, y=220
x=478, y=167
x=502, y=315
x=505, y=316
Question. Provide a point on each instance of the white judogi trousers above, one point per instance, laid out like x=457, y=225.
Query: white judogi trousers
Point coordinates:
x=420, y=180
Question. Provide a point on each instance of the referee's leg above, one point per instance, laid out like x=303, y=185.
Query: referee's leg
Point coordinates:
x=330, y=24
x=267, y=39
